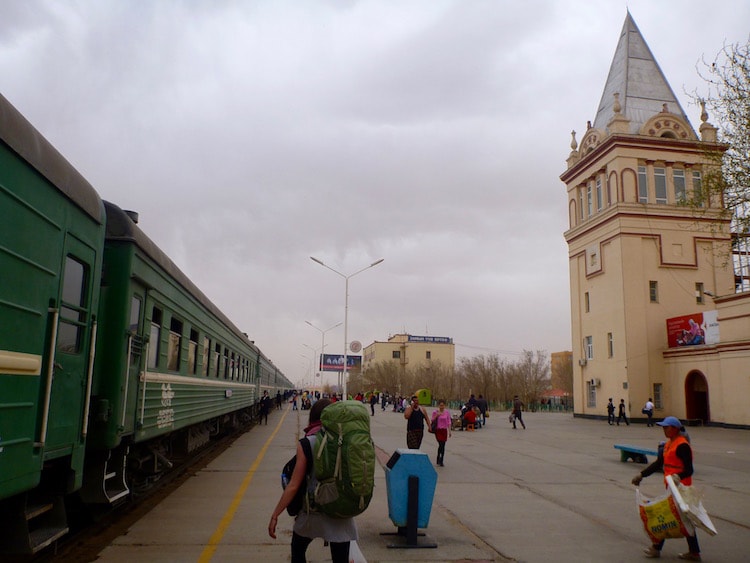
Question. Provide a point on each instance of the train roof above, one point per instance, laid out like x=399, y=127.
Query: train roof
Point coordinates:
x=29, y=144
x=120, y=226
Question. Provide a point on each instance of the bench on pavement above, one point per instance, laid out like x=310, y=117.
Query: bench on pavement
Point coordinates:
x=637, y=454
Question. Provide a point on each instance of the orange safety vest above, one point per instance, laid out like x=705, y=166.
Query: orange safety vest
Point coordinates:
x=672, y=463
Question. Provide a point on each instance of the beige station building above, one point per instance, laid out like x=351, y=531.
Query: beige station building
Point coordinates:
x=412, y=352
x=656, y=308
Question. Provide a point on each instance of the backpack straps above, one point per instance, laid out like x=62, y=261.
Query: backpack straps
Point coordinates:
x=307, y=450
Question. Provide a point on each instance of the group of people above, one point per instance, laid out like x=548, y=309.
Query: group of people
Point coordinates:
x=675, y=459
x=439, y=424
x=648, y=410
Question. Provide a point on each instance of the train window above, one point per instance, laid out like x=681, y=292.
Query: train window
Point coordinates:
x=154, y=338
x=193, y=352
x=205, y=354
x=225, y=362
x=217, y=359
x=135, y=313
x=175, y=345
x=72, y=312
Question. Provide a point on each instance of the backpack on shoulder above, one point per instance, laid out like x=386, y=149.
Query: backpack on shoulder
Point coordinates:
x=344, y=460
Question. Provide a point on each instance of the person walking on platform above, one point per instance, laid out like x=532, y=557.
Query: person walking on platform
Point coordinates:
x=517, y=410
x=441, y=425
x=648, y=410
x=338, y=532
x=415, y=416
x=621, y=413
x=265, y=406
x=677, y=460
x=610, y=412
x=483, y=406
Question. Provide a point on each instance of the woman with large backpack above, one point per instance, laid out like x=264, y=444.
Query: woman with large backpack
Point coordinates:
x=338, y=532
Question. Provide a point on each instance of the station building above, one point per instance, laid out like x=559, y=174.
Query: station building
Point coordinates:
x=656, y=309
x=411, y=351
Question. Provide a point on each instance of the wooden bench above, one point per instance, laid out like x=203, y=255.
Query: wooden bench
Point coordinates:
x=638, y=455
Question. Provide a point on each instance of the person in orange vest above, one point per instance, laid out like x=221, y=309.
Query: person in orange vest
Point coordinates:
x=676, y=460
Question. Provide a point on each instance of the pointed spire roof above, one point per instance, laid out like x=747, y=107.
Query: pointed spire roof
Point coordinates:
x=636, y=76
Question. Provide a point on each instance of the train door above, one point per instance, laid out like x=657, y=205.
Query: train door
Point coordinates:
x=66, y=394
x=135, y=360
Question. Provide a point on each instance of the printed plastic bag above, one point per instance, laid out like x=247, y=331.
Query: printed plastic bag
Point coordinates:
x=662, y=518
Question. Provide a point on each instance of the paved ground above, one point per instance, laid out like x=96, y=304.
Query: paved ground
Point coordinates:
x=554, y=492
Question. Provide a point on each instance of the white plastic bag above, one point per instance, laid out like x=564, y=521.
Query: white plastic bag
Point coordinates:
x=690, y=504
x=355, y=554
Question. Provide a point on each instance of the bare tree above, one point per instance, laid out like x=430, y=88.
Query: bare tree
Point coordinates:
x=728, y=101
x=384, y=376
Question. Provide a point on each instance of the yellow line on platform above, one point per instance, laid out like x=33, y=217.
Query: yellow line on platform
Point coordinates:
x=226, y=520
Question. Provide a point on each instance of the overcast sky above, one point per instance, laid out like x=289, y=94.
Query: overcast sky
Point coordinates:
x=431, y=133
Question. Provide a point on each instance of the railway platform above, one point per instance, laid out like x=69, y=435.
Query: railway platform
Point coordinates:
x=556, y=491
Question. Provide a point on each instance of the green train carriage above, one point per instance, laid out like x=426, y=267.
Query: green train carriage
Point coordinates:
x=171, y=368
x=51, y=241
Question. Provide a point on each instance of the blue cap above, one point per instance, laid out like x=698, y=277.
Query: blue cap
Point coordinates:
x=671, y=421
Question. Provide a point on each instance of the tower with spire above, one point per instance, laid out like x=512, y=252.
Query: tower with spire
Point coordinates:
x=646, y=242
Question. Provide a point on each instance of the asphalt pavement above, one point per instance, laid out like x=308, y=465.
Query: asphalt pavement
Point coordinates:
x=556, y=491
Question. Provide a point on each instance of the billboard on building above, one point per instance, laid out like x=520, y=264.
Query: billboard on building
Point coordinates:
x=335, y=362
x=693, y=330
x=430, y=339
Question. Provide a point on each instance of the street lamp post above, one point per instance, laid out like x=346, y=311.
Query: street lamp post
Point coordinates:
x=346, y=310
x=322, y=343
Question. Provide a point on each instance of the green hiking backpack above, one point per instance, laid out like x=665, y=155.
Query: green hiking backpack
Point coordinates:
x=344, y=460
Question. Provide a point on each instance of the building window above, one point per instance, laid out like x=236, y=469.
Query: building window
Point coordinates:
x=657, y=396
x=653, y=291
x=590, y=394
x=588, y=347
x=154, y=338
x=586, y=303
x=428, y=355
x=599, y=195
x=699, y=293
x=589, y=200
x=697, y=188
x=660, y=185
x=642, y=185
x=678, y=176
x=610, y=345
x=175, y=345
x=396, y=354
x=580, y=197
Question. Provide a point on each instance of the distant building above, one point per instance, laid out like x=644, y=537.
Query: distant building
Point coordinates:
x=561, y=370
x=654, y=308
x=410, y=351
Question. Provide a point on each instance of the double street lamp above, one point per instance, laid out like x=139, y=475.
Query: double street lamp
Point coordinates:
x=322, y=343
x=346, y=311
